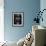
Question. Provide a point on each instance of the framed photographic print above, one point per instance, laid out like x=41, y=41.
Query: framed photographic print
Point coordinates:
x=18, y=19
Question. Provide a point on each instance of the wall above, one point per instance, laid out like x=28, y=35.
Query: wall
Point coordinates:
x=29, y=7
x=1, y=20
x=43, y=6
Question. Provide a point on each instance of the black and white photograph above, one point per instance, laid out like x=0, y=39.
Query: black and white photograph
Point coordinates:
x=18, y=18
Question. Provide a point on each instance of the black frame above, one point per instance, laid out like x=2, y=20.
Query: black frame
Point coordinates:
x=17, y=15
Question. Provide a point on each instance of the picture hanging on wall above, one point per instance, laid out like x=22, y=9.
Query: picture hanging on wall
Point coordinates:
x=18, y=19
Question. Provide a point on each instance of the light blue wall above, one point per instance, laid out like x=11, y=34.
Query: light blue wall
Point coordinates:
x=29, y=7
x=43, y=6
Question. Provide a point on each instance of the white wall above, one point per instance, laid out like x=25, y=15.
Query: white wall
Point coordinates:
x=1, y=20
